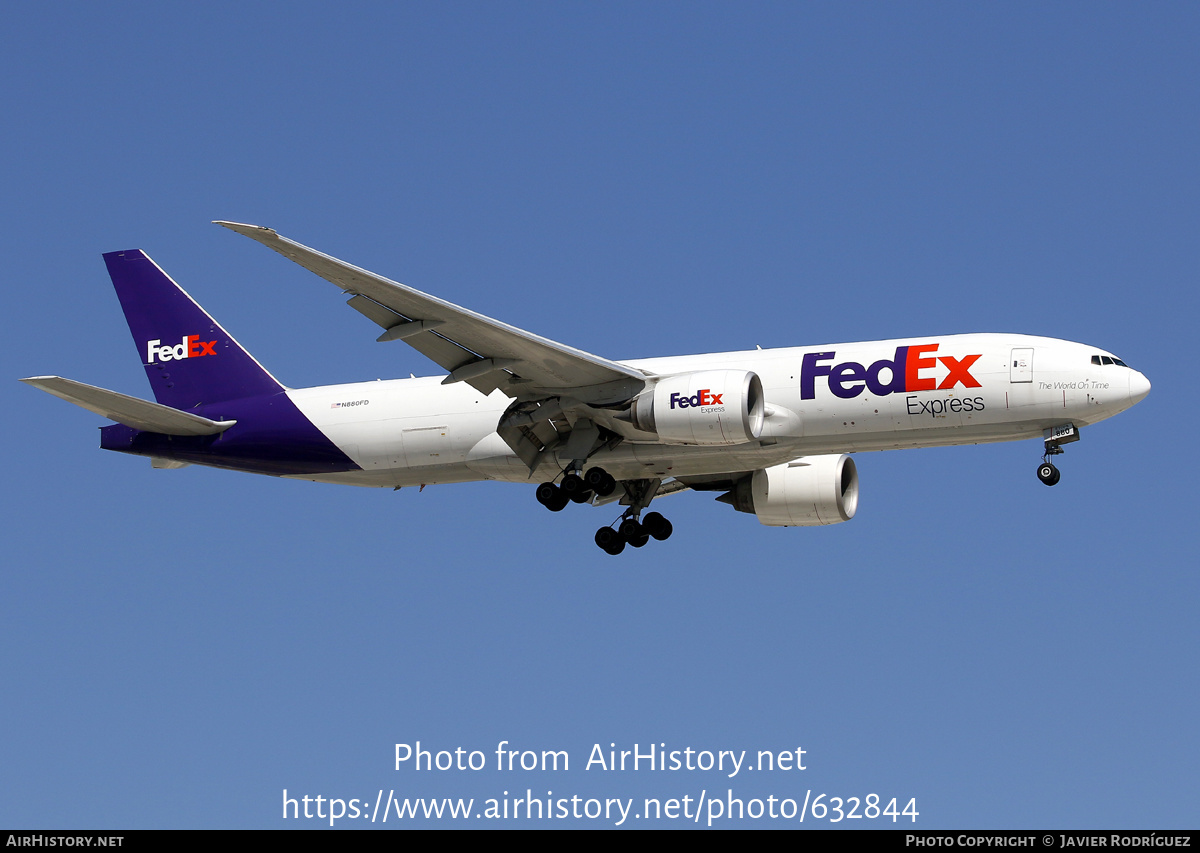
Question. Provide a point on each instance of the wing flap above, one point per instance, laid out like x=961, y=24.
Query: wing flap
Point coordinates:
x=131, y=411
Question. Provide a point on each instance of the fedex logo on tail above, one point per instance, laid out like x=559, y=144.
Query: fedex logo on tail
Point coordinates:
x=910, y=370
x=190, y=347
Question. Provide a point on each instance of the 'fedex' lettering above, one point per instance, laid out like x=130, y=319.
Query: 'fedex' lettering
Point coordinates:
x=190, y=347
x=704, y=397
x=908, y=371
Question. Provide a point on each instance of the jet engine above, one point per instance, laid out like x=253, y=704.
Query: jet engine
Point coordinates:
x=806, y=492
x=708, y=407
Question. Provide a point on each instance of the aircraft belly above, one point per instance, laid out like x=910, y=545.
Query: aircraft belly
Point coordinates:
x=395, y=477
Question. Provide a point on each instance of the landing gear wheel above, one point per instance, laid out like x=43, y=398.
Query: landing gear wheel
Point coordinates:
x=551, y=497
x=610, y=541
x=582, y=497
x=572, y=484
x=630, y=529
x=639, y=541
x=1048, y=474
x=600, y=481
x=657, y=526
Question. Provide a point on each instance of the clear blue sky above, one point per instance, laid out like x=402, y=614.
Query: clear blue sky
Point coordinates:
x=634, y=180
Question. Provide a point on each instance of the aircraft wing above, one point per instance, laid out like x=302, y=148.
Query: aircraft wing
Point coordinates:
x=475, y=349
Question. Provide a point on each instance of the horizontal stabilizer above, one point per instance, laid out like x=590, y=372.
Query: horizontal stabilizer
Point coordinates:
x=139, y=414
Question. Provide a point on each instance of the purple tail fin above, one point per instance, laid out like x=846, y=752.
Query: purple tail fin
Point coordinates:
x=189, y=358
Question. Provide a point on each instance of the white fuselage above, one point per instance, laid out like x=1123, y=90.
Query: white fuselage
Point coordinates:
x=954, y=389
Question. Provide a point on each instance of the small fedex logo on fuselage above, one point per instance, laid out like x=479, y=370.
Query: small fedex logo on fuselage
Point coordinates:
x=910, y=370
x=190, y=347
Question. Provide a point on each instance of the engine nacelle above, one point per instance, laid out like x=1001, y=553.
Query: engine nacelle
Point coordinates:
x=708, y=407
x=806, y=492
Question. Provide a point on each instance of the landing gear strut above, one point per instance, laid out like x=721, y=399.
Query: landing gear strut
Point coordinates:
x=1053, y=439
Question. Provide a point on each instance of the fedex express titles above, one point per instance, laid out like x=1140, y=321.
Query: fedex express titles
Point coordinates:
x=910, y=370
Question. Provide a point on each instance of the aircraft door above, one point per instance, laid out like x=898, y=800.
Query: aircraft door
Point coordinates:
x=1021, y=365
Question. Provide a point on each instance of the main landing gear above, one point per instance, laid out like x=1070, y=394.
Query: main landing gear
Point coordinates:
x=576, y=488
x=633, y=529
x=633, y=532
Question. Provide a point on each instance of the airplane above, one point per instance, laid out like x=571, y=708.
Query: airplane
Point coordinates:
x=770, y=431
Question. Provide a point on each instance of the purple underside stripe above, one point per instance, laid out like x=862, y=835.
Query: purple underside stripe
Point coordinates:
x=271, y=436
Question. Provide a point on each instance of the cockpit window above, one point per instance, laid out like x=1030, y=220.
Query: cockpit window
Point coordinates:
x=1108, y=359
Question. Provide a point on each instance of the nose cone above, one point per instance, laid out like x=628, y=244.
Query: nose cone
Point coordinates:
x=1139, y=387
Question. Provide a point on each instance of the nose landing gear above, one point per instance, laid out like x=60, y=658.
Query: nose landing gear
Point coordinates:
x=1053, y=439
x=1048, y=474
